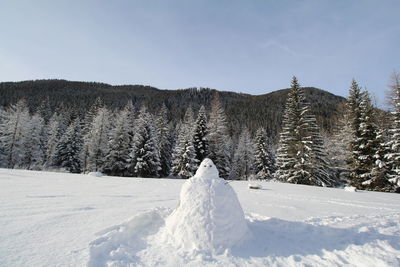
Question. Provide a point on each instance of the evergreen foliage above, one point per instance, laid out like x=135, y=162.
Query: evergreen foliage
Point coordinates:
x=184, y=164
x=263, y=156
x=145, y=157
x=243, y=159
x=97, y=140
x=364, y=145
x=54, y=131
x=200, y=141
x=164, y=141
x=301, y=155
x=69, y=148
x=117, y=159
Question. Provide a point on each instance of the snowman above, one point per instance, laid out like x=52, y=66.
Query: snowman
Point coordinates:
x=209, y=217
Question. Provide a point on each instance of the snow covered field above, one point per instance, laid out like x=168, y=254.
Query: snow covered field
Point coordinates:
x=55, y=219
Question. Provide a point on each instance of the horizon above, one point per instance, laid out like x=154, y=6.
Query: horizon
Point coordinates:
x=253, y=47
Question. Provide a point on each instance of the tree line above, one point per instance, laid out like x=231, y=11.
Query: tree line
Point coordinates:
x=129, y=142
x=133, y=141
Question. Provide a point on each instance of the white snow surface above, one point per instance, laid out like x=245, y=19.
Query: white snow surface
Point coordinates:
x=95, y=174
x=209, y=217
x=59, y=219
x=350, y=189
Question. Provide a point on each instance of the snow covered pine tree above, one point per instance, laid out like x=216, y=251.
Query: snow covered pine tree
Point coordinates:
x=264, y=159
x=300, y=155
x=184, y=164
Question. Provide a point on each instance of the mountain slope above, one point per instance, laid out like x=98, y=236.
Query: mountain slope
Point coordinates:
x=252, y=111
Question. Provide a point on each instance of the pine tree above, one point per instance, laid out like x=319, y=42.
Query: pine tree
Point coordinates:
x=34, y=144
x=87, y=123
x=263, y=157
x=364, y=146
x=353, y=108
x=14, y=132
x=130, y=119
x=381, y=170
x=319, y=168
x=145, y=157
x=200, y=142
x=184, y=164
x=54, y=131
x=69, y=148
x=218, y=136
x=243, y=160
x=117, y=159
x=44, y=110
x=392, y=157
x=164, y=141
x=301, y=155
x=97, y=144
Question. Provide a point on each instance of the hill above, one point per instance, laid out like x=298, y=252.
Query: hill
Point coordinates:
x=248, y=110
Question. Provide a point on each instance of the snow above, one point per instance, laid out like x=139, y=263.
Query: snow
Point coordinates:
x=95, y=174
x=209, y=217
x=59, y=219
x=350, y=189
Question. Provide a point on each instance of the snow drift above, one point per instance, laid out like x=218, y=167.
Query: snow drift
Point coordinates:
x=209, y=216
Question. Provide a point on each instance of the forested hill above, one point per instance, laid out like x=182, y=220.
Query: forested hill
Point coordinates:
x=252, y=111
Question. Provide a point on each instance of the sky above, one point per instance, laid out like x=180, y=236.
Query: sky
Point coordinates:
x=252, y=46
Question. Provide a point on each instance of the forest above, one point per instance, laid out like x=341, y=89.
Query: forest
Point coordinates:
x=298, y=135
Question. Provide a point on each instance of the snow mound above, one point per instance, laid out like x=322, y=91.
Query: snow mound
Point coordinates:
x=209, y=217
x=350, y=189
x=95, y=174
x=118, y=245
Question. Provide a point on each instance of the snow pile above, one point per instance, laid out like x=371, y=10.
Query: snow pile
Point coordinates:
x=209, y=217
x=118, y=244
x=350, y=189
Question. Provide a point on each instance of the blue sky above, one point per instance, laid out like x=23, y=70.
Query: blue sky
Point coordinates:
x=252, y=46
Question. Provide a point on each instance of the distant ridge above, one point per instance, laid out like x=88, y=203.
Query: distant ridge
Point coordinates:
x=242, y=109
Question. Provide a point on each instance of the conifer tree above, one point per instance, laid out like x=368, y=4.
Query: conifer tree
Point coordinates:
x=301, y=155
x=319, y=167
x=218, y=136
x=364, y=145
x=97, y=144
x=145, y=157
x=14, y=132
x=117, y=159
x=130, y=119
x=392, y=158
x=184, y=164
x=69, y=148
x=243, y=160
x=263, y=157
x=381, y=171
x=164, y=141
x=353, y=108
x=200, y=142
x=86, y=133
x=54, y=131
